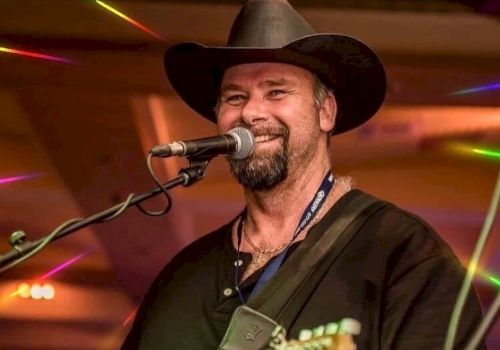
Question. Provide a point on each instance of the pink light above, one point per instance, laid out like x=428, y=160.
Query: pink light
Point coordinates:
x=58, y=268
x=131, y=21
x=36, y=55
x=6, y=180
x=62, y=266
x=130, y=317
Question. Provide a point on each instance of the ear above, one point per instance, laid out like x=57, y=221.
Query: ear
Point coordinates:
x=328, y=113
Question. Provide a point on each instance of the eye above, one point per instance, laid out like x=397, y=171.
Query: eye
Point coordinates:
x=234, y=99
x=277, y=93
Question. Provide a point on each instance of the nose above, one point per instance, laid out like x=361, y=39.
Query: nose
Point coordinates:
x=254, y=111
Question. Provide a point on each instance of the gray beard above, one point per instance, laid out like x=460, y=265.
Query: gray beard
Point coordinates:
x=263, y=171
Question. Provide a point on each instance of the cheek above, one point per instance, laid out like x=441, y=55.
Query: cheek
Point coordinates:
x=302, y=117
x=227, y=119
x=305, y=127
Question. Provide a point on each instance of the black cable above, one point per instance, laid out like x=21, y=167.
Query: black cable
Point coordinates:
x=22, y=250
x=157, y=182
x=237, y=262
x=44, y=243
x=120, y=211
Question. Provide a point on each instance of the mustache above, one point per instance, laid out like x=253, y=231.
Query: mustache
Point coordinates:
x=275, y=130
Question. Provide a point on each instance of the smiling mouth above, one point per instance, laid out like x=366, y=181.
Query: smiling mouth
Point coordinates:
x=265, y=138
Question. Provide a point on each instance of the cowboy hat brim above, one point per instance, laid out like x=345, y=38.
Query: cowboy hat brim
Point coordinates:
x=346, y=65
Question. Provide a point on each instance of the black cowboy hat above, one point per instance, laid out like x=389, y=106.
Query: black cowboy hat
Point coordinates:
x=272, y=31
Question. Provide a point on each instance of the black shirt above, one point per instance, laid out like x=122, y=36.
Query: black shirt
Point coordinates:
x=397, y=277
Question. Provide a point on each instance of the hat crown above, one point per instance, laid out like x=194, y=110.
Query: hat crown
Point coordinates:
x=267, y=24
x=272, y=31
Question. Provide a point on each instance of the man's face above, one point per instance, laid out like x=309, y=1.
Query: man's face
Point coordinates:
x=276, y=102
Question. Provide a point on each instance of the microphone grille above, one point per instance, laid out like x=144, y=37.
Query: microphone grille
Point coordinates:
x=246, y=142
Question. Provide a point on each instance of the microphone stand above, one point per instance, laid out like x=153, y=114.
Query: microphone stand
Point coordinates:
x=20, y=247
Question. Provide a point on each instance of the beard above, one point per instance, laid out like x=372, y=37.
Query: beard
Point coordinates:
x=264, y=170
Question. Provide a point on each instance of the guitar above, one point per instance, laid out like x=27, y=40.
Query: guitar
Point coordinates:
x=332, y=336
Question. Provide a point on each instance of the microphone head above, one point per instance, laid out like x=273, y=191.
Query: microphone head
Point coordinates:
x=245, y=140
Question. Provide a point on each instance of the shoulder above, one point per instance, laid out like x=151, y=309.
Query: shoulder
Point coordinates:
x=393, y=226
x=405, y=241
x=419, y=276
x=400, y=229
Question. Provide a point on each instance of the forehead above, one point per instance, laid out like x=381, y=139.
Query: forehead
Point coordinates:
x=262, y=72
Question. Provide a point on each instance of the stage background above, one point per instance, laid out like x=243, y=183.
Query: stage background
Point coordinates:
x=80, y=131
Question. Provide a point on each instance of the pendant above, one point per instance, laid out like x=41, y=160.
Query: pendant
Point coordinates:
x=258, y=259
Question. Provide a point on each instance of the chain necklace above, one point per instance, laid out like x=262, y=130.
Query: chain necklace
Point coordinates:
x=261, y=256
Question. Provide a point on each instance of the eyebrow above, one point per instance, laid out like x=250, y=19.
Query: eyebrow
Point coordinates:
x=266, y=83
x=230, y=87
x=277, y=82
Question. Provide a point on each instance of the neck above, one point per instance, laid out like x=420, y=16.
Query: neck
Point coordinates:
x=273, y=215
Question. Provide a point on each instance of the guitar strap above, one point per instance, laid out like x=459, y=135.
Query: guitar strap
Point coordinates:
x=282, y=298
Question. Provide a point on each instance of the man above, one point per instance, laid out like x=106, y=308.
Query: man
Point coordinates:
x=294, y=89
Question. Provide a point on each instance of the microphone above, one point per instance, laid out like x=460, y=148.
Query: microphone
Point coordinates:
x=238, y=143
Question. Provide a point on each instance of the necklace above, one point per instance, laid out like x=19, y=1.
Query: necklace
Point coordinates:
x=309, y=218
x=260, y=255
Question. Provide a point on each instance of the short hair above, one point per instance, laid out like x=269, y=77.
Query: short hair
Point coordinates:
x=320, y=92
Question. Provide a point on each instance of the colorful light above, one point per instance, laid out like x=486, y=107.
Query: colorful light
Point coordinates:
x=36, y=55
x=62, y=266
x=130, y=20
x=6, y=180
x=39, y=289
x=481, y=273
x=485, y=275
x=35, y=291
x=477, y=89
x=115, y=338
x=23, y=290
x=494, y=280
x=485, y=152
x=488, y=277
x=130, y=317
x=470, y=150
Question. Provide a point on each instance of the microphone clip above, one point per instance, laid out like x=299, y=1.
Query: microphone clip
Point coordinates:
x=196, y=169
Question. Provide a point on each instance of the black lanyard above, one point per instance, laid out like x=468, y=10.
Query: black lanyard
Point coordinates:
x=308, y=215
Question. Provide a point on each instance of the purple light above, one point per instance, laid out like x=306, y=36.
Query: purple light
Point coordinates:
x=6, y=180
x=63, y=265
x=477, y=89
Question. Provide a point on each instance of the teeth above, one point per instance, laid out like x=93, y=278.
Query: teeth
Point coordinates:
x=264, y=138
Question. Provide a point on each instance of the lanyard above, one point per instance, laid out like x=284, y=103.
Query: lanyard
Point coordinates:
x=308, y=215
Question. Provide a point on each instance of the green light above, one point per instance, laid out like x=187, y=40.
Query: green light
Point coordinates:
x=494, y=154
x=494, y=280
